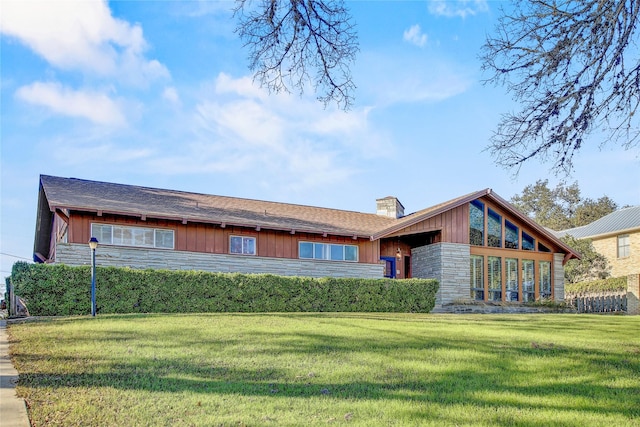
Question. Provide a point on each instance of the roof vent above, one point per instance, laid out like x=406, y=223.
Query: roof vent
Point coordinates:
x=390, y=207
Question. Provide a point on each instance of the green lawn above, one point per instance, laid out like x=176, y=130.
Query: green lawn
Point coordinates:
x=318, y=369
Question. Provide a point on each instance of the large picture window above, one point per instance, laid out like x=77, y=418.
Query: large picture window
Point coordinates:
x=242, y=245
x=545, y=280
x=511, y=240
x=476, y=223
x=528, y=281
x=121, y=235
x=477, y=277
x=495, y=278
x=328, y=251
x=494, y=225
x=511, y=273
x=528, y=243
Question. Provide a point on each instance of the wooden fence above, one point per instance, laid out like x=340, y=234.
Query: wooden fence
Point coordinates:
x=601, y=302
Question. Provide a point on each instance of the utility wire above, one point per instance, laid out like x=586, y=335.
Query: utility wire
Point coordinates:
x=15, y=256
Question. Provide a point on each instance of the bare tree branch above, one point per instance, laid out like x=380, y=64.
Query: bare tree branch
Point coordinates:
x=574, y=66
x=293, y=43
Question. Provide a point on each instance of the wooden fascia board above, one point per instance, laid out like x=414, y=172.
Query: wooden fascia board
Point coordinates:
x=397, y=227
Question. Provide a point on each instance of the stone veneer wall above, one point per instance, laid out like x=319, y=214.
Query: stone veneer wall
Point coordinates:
x=449, y=264
x=116, y=256
x=558, y=277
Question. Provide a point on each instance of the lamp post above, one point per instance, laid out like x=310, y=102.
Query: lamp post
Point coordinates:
x=93, y=244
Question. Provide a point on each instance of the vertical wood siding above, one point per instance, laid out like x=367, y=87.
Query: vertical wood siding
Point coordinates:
x=211, y=238
x=454, y=225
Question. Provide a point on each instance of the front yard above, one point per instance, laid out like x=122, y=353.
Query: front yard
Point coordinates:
x=328, y=368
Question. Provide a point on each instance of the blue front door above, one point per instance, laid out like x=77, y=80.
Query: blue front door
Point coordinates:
x=389, y=266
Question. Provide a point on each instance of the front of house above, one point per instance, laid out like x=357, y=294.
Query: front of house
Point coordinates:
x=478, y=246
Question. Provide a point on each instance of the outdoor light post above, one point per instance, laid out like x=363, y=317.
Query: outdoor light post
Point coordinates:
x=93, y=244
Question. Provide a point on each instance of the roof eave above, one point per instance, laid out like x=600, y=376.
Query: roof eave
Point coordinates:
x=186, y=219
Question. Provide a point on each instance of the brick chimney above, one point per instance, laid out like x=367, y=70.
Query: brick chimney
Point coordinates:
x=389, y=206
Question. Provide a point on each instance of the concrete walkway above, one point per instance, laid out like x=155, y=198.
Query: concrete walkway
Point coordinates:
x=13, y=412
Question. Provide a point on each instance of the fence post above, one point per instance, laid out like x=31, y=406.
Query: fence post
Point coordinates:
x=633, y=294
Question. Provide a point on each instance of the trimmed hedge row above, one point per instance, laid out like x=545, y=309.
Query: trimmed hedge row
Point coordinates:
x=613, y=284
x=60, y=290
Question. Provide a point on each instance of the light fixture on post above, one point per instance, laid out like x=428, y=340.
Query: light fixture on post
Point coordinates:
x=93, y=244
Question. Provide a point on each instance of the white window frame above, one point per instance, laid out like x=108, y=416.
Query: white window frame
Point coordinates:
x=131, y=230
x=625, y=246
x=325, y=249
x=244, y=239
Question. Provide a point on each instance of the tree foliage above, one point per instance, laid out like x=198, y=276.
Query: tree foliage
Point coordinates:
x=574, y=67
x=293, y=43
x=562, y=207
x=592, y=265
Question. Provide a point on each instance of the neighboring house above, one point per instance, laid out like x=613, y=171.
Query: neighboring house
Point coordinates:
x=617, y=237
x=478, y=246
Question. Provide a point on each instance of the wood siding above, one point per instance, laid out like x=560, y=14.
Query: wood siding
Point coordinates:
x=453, y=225
x=213, y=239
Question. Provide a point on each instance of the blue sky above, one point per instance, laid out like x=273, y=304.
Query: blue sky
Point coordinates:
x=158, y=93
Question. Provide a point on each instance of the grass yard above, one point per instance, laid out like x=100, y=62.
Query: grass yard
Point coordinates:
x=319, y=369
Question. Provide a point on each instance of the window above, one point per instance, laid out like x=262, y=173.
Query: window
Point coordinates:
x=545, y=280
x=623, y=246
x=511, y=271
x=494, y=234
x=476, y=223
x=495, y=278
x=103, y=233
x=527, y=242
x=528, y=281
x=510, y=235
x=477, y=277
x=543, y=248
x=328, y=252
x=133, y=236
x=242, y=245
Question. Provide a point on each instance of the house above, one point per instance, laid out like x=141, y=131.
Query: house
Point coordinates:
x=478, y=245
x=617, y=237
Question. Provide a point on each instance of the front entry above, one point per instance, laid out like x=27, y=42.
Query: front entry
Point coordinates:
x=389, y=266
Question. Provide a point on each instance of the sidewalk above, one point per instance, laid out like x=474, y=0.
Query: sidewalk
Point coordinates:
x=13, y=412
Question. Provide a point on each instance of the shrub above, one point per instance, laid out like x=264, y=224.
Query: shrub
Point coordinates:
x=613, y=284
x=57, y=289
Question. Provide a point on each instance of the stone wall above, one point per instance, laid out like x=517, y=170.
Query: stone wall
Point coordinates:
x=76, y=254
x=558, y=277
x=449, y=264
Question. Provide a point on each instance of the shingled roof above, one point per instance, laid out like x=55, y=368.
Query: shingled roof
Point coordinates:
x=145, y=202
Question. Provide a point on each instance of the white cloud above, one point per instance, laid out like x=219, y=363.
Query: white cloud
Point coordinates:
x=457, y=8
x=411, y=78
x=81, y=35
x=171, y=94
x=96, y=107
x=241, y=130
x=415, y=36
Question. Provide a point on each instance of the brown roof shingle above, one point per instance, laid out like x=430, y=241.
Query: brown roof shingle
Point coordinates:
x=93, y=196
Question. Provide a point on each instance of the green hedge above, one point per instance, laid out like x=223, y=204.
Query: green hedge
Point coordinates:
x=60, y=290
x=613, y=284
